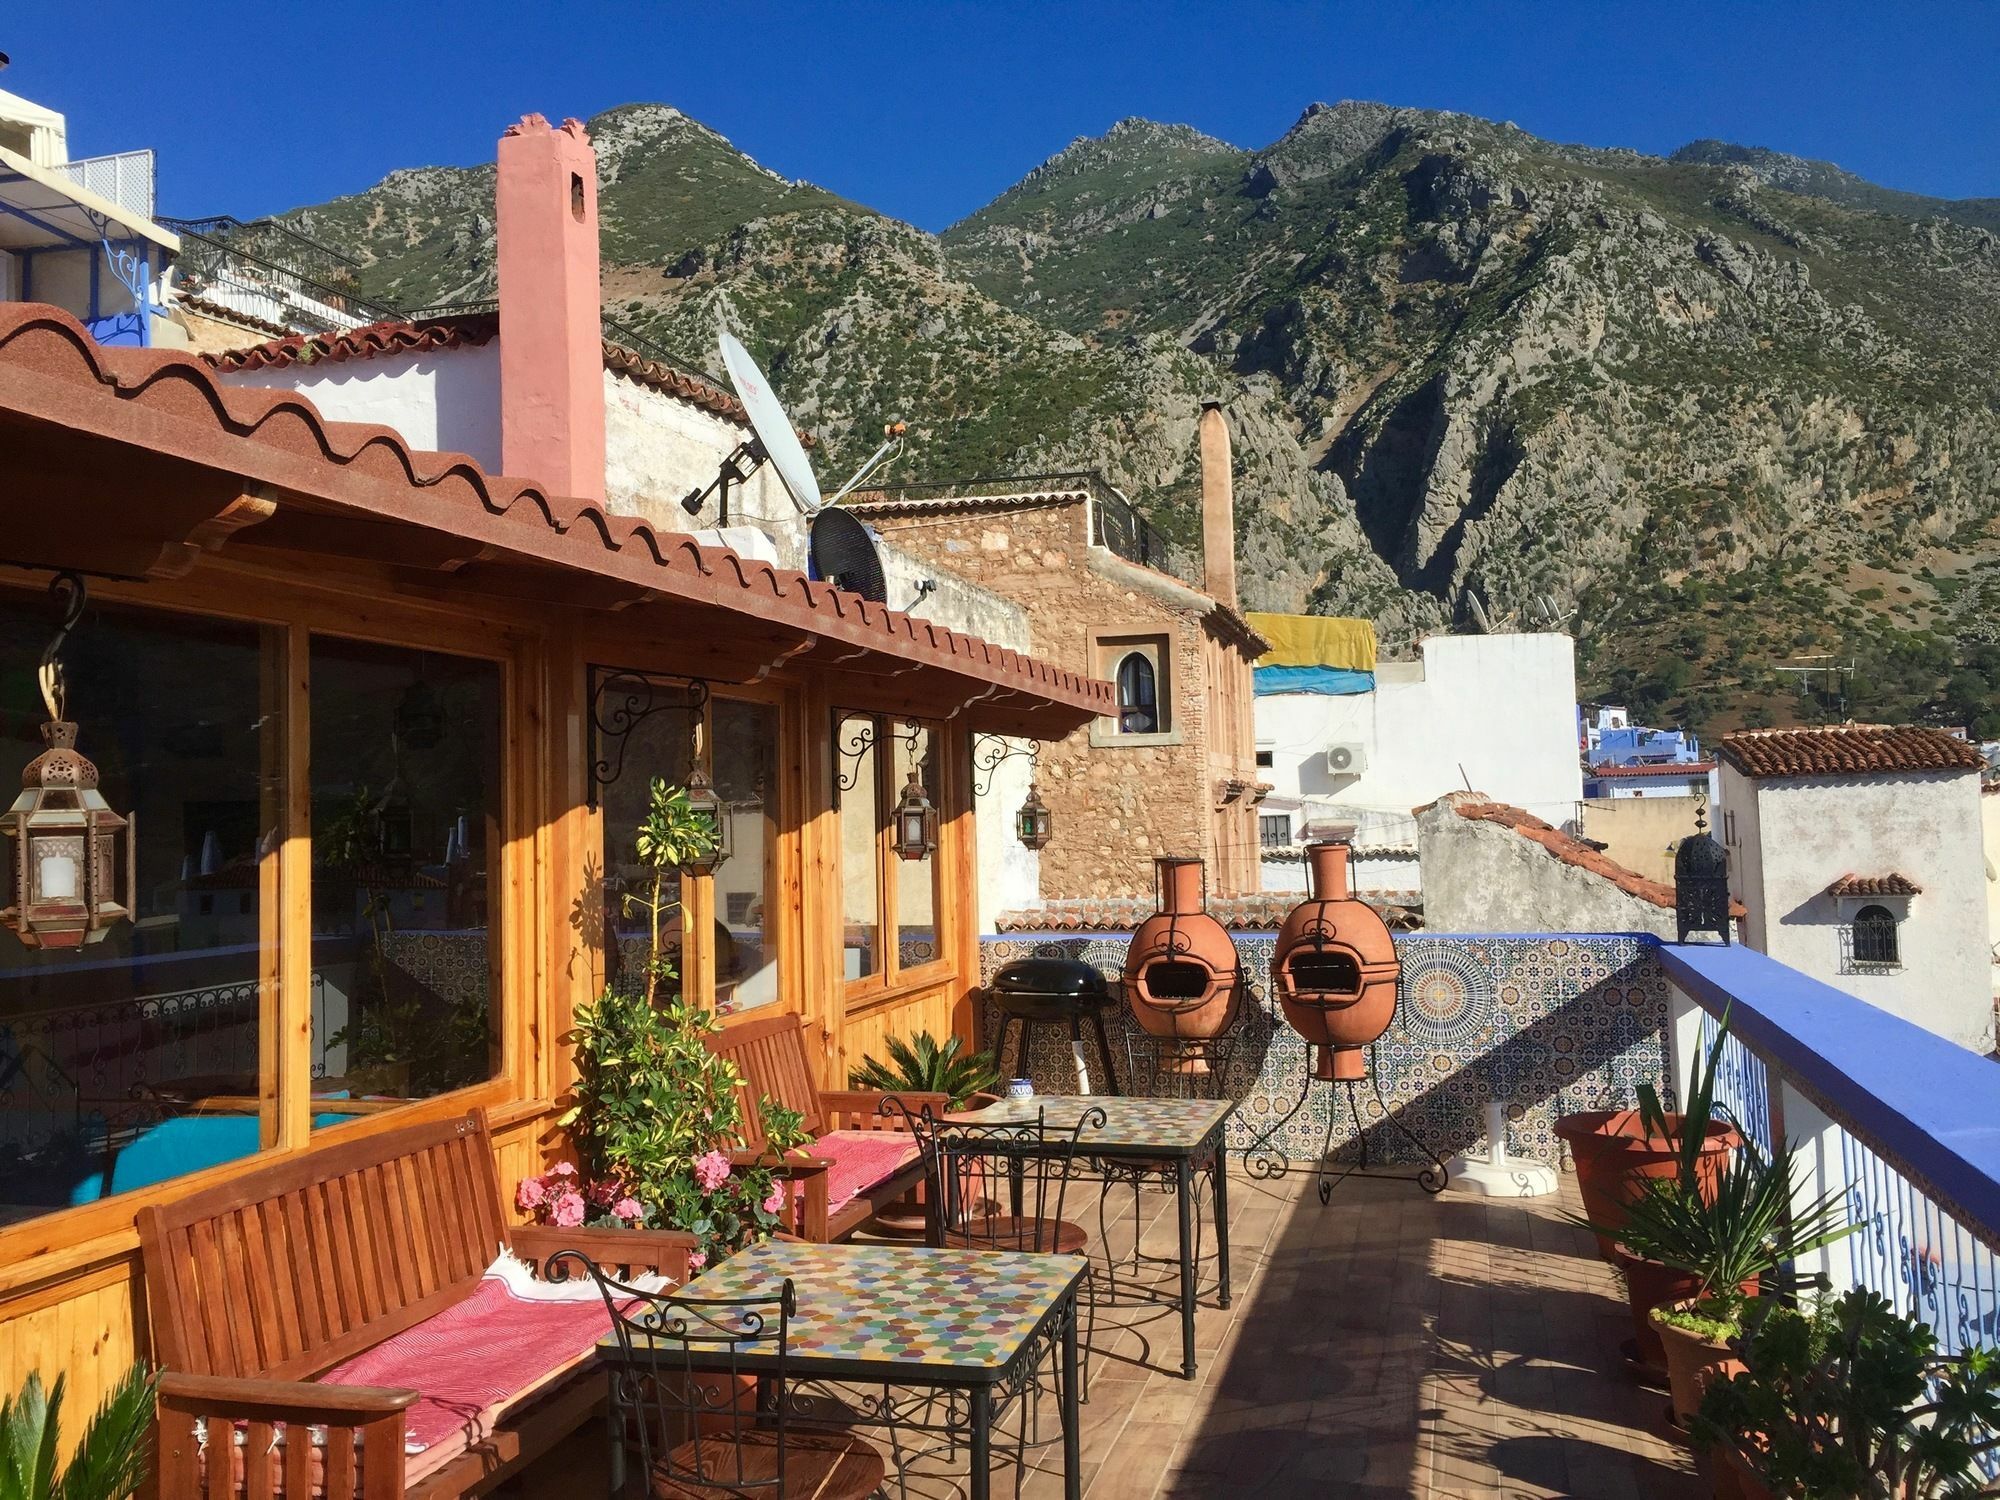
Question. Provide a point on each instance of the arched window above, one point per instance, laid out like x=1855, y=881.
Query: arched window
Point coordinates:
x=1875, y=936
x=1138, y=695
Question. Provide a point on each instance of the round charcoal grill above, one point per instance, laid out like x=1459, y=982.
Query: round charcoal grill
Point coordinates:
x=1052, y=992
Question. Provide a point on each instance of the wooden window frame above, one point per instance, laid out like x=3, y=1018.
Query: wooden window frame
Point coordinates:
x=891, y=979
x=298, y=609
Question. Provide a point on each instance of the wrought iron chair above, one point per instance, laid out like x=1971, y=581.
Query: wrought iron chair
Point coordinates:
x=700, y=1407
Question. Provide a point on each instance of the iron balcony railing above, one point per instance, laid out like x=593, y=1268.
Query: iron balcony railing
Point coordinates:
x=123, y=177
x=268, y=271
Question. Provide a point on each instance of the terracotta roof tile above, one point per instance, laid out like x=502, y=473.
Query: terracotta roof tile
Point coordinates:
x=1690, y=768
x=52, y=371
x=1846, y=750
x=879, y=504
x=1892, y=884
x=468, y=330
x=1260, y=913
x=1571, y=851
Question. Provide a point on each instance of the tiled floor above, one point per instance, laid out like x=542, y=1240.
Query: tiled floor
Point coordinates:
x=1386, y=1344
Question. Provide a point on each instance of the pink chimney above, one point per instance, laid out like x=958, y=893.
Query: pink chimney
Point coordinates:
x=551, y=344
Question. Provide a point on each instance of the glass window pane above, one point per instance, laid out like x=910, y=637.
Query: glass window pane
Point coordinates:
x=746, y=885
x=406, y=839
x=916, y=879
x=858, y=771
x=659, y=721
x=134, y=1058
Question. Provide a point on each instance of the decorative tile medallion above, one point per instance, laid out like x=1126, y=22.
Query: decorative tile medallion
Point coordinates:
x=899, y=1304
x=1545, y=1024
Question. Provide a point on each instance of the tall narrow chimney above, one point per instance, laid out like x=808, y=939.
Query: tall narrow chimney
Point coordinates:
x=551, y=343
x=1218, y=507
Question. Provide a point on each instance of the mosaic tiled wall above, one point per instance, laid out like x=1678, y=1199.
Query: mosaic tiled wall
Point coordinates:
x=1549, y=1024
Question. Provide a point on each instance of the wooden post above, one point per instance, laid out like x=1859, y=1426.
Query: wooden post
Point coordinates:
x=291, y=1030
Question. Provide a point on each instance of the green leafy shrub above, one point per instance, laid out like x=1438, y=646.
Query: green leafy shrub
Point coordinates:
x=111, y=1461
x=922, y=1066
x=1851, y=1401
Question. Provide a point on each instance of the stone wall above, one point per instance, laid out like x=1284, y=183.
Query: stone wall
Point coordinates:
x=1484, y=877
x=1548, y=1024
x=1117, y=801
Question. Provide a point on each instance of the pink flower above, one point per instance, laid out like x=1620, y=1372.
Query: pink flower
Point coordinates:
x=776, y=1200
x=530, y=1193
x=629, y=1208
x=600, y=1194
x=563, y=1169
x=569, y=1209
x=711, y=1171
x=697, y=1259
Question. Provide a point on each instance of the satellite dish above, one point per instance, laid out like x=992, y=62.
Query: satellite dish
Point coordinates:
x=768, y=420
x=843, y=554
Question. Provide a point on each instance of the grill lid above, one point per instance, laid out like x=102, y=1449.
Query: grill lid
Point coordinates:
x=1065, y=978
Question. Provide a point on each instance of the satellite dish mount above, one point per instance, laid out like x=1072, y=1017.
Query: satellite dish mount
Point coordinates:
x=745, y=459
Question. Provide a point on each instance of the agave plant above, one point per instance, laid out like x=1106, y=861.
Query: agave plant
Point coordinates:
x=109, y=1463
x=922, y=1066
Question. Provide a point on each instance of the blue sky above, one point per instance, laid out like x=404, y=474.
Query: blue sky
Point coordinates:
x=926, y=111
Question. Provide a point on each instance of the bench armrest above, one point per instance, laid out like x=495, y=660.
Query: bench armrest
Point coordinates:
x=791, y=1164
x=352, y=1433
x=624, y=1253
x=862, y=1109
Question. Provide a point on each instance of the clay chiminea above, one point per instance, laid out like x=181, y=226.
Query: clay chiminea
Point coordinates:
x=1182, y=978
x=1335, y=969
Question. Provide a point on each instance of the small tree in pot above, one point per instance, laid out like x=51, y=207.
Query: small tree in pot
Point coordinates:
x=1851, y=1401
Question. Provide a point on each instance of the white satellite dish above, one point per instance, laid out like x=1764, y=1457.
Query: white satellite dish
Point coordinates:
x=768, y=420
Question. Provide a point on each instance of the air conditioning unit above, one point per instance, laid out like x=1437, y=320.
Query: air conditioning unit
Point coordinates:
x=1346, y=760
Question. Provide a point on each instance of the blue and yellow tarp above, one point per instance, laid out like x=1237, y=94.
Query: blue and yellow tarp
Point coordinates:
x=1327, y=654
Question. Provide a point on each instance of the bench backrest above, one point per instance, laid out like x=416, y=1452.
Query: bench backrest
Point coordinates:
x=771, y=1056
x=287, y=1270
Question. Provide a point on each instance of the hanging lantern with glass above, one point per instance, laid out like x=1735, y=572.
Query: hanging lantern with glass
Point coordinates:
x=704, y=804
x=916, y=821
x=1034, y=824
x=65, y=834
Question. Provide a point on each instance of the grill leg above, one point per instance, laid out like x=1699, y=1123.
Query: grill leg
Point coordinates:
x=1104, y=1053
x=1084, y=1083
x=1023, y=1066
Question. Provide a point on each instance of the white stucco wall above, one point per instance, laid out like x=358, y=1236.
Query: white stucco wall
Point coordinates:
x=1989, y=808
x=1481, y=877
x=444, y=399
x=1796, y=837
x=1495, y=711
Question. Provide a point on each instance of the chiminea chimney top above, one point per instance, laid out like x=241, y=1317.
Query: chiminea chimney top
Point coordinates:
x=551, y=329
x=1218, y=507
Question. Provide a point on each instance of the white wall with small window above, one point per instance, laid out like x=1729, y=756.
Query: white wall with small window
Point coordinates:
x=1874, y=883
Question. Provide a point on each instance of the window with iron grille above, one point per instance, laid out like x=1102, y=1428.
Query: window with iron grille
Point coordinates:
x=1274, y=830
x=1871, y=944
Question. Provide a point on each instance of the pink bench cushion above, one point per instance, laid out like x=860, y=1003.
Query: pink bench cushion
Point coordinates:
x=508, y=1339
x=860, y=1160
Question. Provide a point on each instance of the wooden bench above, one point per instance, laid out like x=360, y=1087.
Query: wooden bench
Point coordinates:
x=259, y=1285
x=771, y=1056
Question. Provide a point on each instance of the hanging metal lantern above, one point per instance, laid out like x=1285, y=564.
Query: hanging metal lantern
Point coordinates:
x=916, y=821
x=65, y=834
x=711, y=809
x=1034, y=824
x=1701, y=883
x=420, y=716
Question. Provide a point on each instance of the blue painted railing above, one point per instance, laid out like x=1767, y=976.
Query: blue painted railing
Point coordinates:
x=1902, y=1123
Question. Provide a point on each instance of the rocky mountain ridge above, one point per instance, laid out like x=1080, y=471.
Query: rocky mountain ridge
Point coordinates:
x=1706, y=413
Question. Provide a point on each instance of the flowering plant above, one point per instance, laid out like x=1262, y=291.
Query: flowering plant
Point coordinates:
x=656, y=1115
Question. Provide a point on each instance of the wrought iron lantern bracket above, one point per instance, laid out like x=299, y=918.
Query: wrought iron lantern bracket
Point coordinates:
x=991, y=751
x=620, y=701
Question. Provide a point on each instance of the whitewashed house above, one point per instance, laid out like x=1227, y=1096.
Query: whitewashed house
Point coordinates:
x=1857, y=854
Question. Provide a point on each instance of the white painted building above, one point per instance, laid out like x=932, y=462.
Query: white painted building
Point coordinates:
x=1494, y=714
x=1857, y=854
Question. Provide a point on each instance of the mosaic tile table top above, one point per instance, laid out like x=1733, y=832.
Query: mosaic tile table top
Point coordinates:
x=1545, y=1024
x=1161, y=1127
x=898, y=1310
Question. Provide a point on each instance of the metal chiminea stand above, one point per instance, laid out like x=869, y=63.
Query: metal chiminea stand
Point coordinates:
x=1335, y=973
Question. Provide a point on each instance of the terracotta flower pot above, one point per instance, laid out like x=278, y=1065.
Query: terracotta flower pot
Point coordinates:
x=1612, y=1150
x=1692, y=1363
x=1730, y=1476
x=1648, y=1285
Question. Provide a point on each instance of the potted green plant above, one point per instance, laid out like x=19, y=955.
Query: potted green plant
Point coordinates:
x=1850, y=1400
x=655, y=1113
x=923, y=1065
x=111, y=1459
x=1692, y=1258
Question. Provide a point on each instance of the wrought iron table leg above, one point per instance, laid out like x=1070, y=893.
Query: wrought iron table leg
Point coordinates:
x=979, y=1483
x=1071, y=1419
x=1184, y=1211
x=1221, y=1197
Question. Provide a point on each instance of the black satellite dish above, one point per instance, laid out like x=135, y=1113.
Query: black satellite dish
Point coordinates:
x=843, y=554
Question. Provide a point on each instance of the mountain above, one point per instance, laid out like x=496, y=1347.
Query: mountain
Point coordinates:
x=1715, y=415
